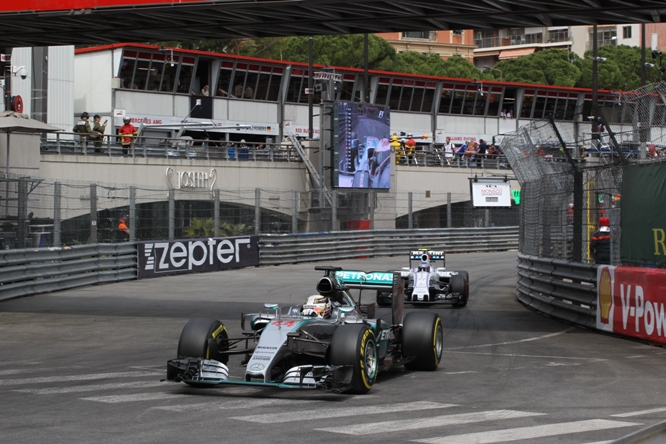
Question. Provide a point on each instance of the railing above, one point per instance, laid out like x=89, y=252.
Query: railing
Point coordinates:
x=558, y=288
x=281, y=249
x=523, y=39
x=43, y=270
x=169, y=148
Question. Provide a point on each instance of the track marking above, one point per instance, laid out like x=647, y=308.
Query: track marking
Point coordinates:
x=639, y=413
x=91, y=388
x=533, y=432
x=89, y=377
x=117, y=399
x=515, y=355
x=422, y=423
x=342, y=412
x=537, y=338
x=232, y=404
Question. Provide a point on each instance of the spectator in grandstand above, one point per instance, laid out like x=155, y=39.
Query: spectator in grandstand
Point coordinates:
x=125, y=131
x=471, y=150
x=600, y=243
x=462, y=150
x=503, y=114
x=238, y=91
x=570, y=214
x=205, y=91
x=449, y=150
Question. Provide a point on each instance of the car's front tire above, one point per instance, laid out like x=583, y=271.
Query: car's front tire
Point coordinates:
x=422, y=340
x=355, y=345
x=194, y=341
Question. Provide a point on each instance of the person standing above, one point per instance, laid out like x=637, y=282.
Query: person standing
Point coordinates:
x=205, y=91
x=98, y=132
x=84, y=129
x=449, y=150
x=600, y=245
x=126, y=133
x=410, y=148
x=123, y=232
x=396, y=148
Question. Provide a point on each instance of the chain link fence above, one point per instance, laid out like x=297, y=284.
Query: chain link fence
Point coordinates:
x=43, y=214
x=570, y=178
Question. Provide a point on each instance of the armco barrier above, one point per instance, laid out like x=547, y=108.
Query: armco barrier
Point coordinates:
x=558, y=288
x=290, y=248
x=43, y=270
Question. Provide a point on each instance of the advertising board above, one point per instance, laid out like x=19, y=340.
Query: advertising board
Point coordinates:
x=630, y=302
x=161, y=258
x=490, y=192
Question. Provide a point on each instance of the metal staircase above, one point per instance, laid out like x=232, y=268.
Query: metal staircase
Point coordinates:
x=314, y=174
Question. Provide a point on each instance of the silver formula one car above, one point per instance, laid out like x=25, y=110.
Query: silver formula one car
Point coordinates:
x=424, y=284
x=327, y=343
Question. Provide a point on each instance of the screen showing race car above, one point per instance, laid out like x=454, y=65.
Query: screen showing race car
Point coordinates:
x=362, y=151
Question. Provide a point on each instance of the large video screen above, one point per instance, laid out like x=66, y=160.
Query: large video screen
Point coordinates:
x=362, y=151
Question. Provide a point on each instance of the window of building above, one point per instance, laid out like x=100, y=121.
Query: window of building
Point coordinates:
x=126, y=74
x=424, y=35
x=274, y=87
x=185, y=75
x=382, y=90
x=224, y=84
x=626, y=32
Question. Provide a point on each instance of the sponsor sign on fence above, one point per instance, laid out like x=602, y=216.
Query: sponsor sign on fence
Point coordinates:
x=159, y=258
x=630, y=302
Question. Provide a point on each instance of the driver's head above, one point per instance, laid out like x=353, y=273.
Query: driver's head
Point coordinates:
x=424, y=266
x=318, y=306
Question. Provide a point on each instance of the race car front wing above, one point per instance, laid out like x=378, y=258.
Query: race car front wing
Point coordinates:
x=198, y=371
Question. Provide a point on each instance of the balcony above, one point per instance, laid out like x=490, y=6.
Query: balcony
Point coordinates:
x=523, y=39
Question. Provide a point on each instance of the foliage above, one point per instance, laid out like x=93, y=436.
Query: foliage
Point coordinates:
x=227, y=46
x=206, y=228
x=548, y=67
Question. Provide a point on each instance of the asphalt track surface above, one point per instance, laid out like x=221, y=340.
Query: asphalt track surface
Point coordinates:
x=86, y=365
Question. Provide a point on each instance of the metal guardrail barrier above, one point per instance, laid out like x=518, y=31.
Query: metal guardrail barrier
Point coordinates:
x=287, y=248
x=43, y=270
x=558, y=288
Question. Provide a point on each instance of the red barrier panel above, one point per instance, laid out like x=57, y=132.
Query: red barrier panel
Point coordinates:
x=630, y=302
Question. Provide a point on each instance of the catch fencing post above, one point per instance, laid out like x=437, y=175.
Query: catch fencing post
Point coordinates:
x=132, y=214
x=448, y=210
x=57, y=198
x=257, y=210
x=172, y=213
x=294, y=212
x=216, y=209
x=410, y=216
x=334, y=211
x=93, y=213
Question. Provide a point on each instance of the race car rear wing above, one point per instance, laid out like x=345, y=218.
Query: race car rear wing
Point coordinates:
x=427, y=255
x=376, y=280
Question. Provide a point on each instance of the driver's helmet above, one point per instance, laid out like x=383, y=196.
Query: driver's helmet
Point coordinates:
x=318, y=306
x=424, y=266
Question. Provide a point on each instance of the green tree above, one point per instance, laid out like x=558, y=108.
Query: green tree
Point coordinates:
x=206, y=228
x=548, y=67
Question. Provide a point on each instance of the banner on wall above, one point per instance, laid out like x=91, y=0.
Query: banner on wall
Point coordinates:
x=643, y=223
x=161, y=258
x=631, y=302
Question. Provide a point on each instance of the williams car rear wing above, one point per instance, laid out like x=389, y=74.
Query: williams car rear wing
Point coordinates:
x=427, y=255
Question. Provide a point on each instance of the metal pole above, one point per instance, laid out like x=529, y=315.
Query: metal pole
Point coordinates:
x=216, y=210
x=172, y=213
x=643, y=67
x=57, y=198
x=366, y=77
x=257, y=210
x=448, y=210
x=371, y=209
x=595, y=86
x=21, y=211
x=310, y=87
x=334, y=211
x=294, y=212
x=487, y=217
x=410, y=215
x=132, y=214
x=93, y=213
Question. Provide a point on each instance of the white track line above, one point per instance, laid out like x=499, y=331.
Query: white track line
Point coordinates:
x=342, y=412
x=640, y=412
x=91, y=388
x=422, y=423
x=232, y=404
x=69, y=378
x=537, y=338
x=117, y=399
x=533, y=432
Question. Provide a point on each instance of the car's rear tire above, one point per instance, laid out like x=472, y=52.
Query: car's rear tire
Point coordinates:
x=422, y=340
x=459, y=285
x=355, y=345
